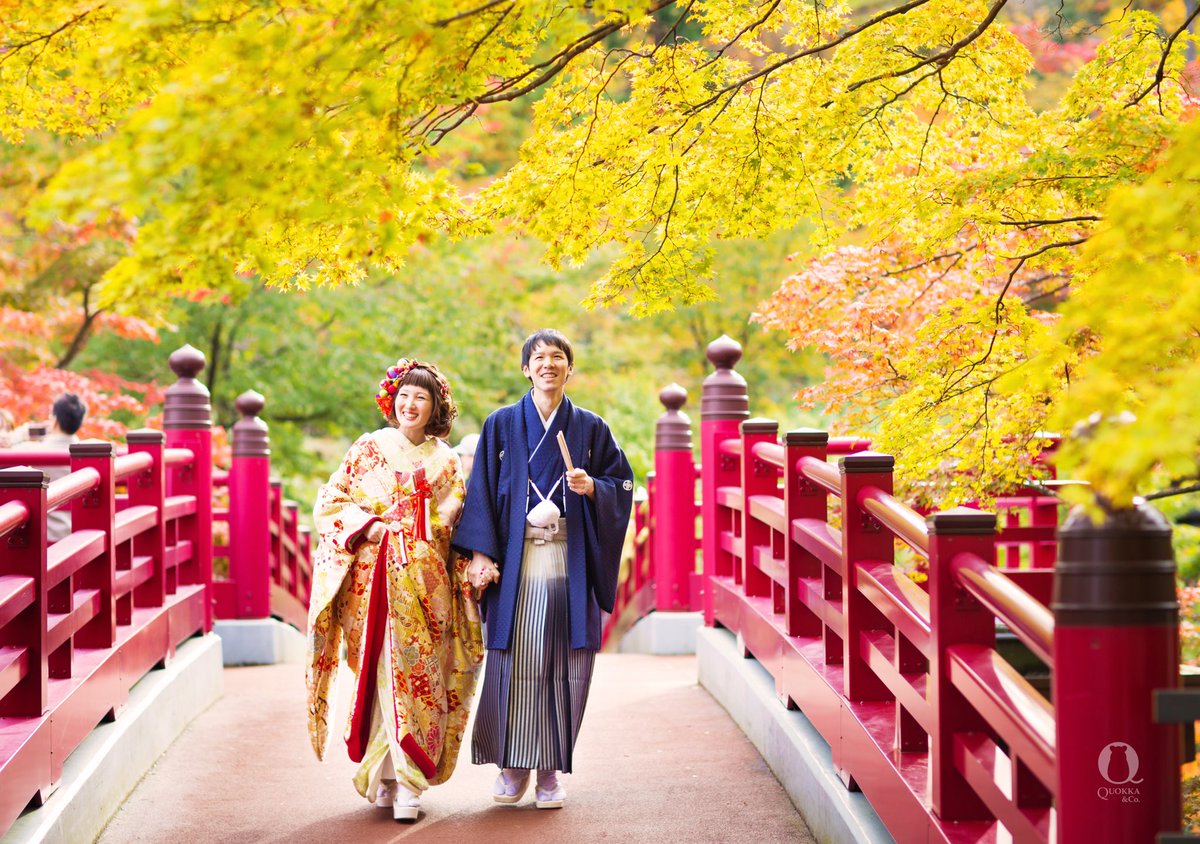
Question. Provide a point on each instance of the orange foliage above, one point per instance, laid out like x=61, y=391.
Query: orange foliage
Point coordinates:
x=862, y=307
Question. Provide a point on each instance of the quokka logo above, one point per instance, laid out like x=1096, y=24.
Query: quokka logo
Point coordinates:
x=1118, y=764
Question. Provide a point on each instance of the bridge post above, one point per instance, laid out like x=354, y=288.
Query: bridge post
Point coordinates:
x=250, y=504
x=955, y=618
x=24, y=555
x=673, y=504
x=187, y=423
x=1116, y=640
x=724, y=403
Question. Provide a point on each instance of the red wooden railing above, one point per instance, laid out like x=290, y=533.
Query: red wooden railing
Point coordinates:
x=84, y=618
x=903, y=680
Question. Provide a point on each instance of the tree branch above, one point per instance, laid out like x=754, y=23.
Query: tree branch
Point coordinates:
x=81, y=335
x=1030, y=224
x=444, y=22
x=1167, y=493
x=506, y=90
x=10, y=50
x=811, y=51
x=1162, y=63
x=942, y=58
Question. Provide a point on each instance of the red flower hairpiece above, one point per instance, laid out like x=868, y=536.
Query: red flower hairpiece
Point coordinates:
x=390, y=385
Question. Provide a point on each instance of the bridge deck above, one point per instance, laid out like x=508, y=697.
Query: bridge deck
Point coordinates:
x=658, y=759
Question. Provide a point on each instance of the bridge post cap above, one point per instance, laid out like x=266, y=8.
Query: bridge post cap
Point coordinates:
x=961, y=521
x=673, y=396
x=724, y=352
x=250, y=403
x=673, y=430
x=187, y=361
x=1117, y=572
x=187, y=404
x=759, y=425
x=92, y=448
x=250, y=438
x=1140, y=519
x=23, y=477
x=807, y=437
x=276, y=481
x=724, y=394
x=145, y=436
x=867, y=461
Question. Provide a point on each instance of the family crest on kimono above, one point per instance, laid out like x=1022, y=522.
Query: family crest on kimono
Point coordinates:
x=386, y=582
x=545, y=519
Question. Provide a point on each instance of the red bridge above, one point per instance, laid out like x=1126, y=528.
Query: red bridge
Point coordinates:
x=1027, y=690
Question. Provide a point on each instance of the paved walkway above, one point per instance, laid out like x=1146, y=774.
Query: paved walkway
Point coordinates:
x=658, y=760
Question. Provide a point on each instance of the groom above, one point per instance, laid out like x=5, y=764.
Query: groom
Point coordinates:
x=551, y=537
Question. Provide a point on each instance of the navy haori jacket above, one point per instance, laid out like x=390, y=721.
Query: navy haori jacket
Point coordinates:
x=493, y=516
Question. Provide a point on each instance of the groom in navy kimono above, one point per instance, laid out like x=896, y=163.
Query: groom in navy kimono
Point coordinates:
x=543, y=619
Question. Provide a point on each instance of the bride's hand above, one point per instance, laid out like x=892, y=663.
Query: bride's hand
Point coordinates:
x=481, y=571
x=376, y=532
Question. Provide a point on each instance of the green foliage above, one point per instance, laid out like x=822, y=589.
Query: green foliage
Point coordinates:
x=1140, y=310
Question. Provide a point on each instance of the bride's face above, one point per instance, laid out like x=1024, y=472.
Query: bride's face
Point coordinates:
x=414, y=406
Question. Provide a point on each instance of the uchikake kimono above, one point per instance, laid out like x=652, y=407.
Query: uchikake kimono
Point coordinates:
x=403, y=607
x=540, y=650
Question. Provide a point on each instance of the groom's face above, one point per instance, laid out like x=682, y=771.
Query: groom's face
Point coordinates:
x=548, y=368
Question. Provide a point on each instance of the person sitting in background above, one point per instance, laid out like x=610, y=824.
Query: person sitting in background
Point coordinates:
x=466, y=453
x=66, y=418
x=7, y=429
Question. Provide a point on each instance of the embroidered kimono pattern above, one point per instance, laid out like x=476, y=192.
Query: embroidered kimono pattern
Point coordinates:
x=403, y=608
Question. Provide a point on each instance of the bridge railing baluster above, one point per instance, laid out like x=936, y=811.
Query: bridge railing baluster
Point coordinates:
x=148, y=487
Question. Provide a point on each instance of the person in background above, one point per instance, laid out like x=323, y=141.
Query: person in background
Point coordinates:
x=466, y=453
x=7, y=429
x=66, y=418
x=547, y=527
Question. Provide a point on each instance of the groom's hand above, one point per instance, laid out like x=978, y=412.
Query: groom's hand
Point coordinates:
x=578, y=480
x=482, y=571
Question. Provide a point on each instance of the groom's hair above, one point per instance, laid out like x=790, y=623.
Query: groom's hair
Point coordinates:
x=548, y=337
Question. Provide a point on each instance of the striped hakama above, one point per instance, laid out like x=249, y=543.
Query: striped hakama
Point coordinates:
x=534, y=694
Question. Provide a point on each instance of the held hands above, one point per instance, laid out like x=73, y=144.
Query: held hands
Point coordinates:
x=578, y=480
x=482, y=571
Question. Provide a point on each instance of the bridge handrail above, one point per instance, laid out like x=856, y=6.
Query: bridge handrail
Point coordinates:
x=132, y=464
x=70, y=487
x=902, y=520
x=30, y=456
x=134, y=576
x=179, y=457
x=1020, y=612
x=904, y=675
x=86, y=616
x=821, y=473
x=13, y=514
